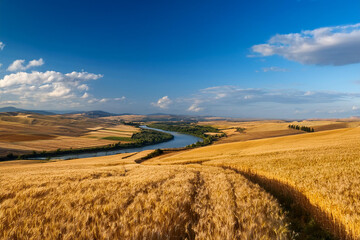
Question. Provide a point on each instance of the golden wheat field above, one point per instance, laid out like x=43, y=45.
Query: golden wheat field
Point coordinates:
x=319, y=170
x=222, y=191
x=115, y=131
x=23, y=133
x=113, y=198
x=251, y=130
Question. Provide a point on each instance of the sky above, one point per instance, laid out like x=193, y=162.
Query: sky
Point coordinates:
x=249, y=59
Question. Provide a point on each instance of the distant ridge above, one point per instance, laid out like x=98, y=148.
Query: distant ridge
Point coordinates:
x=14, y=109
x=94, y=114
x=100, y=114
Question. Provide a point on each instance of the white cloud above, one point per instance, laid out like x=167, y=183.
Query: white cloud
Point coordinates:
x=195, y=108
x=355, y=108
x=92, y=100
x=83, y=75
x=220, y=95
x=163, y=102
x=86, y=95
x=35, y=63
x=120, y=98
x=274, y=69
x=83, y=87
x=18, y=65
x=35, y=77
x=48, y=88
x=2, y=45
x=59, y=90
x=339, y=45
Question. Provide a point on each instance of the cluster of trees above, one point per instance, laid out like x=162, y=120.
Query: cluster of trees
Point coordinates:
x=240, y=129
x=206, y=141
x=302, y=128
x=147, y=137
x=155, y=153
x=135, y=124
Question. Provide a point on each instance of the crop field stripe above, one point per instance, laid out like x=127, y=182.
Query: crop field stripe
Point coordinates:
x=285, y=193
x=235, y=206
x=197, y=184
x=146, y=189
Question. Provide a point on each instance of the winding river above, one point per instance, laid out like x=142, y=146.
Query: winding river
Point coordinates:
x=179, y=140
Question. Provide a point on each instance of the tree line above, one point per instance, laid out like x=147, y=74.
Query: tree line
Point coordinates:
x=302, y=128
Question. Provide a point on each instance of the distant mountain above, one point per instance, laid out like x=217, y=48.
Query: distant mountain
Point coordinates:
x=159, y=114
x=94, y=114
x=123, y=116
x=164, y=117
x=14, y=109
x=170, y=117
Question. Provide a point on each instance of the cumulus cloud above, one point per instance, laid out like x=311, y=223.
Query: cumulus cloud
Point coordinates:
x=339, y=45
x=2, y=45
x=48, y=88
x=18, y=65
x=35, y=63
x=163, y=102
x=274, y=69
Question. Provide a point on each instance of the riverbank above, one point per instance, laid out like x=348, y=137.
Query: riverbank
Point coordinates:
x=178, y=140
x=144, y=138
x=208, y=134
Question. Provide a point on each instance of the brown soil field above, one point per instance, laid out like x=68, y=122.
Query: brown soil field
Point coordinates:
x=24, y=137
x=59, y=142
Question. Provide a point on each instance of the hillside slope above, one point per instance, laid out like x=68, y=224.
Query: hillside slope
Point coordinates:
x=112, y=198
x=323, y=167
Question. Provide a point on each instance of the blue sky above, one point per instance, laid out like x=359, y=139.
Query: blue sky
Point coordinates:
x=263, y=59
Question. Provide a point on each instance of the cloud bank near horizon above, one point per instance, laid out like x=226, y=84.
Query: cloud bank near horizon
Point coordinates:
x=256, y=102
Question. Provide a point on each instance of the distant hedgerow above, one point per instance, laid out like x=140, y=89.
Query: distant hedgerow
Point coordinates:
x=302, y=128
